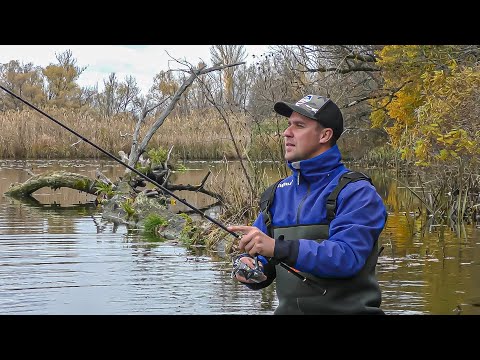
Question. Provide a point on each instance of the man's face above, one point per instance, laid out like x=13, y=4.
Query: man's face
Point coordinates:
x=303, y=138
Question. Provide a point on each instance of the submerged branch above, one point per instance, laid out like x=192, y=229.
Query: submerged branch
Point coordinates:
x=54, y=180
x=59, y=179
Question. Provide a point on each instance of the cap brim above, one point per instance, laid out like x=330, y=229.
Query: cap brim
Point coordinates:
x=286, y=109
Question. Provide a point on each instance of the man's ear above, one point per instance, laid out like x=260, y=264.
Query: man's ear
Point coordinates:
x=325, y=135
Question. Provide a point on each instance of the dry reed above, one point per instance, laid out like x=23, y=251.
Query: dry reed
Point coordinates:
x=28, y=134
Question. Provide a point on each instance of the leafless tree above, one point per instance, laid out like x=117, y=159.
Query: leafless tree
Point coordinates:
x=228, y=54
x=168, y=104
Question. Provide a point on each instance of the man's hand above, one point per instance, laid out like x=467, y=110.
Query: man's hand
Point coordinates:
x=251, y=264
x=254, y=241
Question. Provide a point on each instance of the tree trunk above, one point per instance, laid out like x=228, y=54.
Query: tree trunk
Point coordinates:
x=54, y=180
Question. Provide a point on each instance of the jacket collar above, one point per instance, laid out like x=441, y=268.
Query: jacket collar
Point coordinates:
x=318, y=166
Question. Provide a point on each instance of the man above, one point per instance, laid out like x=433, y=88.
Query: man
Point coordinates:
x=323, y=261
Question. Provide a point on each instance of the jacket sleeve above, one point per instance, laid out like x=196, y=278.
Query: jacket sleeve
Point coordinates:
x=359, y=220
x=268, y=267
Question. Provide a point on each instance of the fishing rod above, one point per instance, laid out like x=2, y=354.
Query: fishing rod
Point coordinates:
x=124, y=164
x=285, y=266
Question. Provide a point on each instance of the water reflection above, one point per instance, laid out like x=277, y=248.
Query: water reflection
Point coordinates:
x=58, y=256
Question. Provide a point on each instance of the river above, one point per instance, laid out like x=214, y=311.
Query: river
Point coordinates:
x=58, y=256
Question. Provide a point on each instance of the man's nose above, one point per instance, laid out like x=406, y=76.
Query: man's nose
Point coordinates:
x=287, y=132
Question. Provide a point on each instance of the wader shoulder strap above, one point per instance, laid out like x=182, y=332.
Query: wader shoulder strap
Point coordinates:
x=345, y=179
x=265, y=201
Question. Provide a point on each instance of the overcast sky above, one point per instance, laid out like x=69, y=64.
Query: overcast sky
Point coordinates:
x=141, y=61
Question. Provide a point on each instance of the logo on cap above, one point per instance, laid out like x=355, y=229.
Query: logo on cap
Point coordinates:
x=304, y=100
x=304, y=103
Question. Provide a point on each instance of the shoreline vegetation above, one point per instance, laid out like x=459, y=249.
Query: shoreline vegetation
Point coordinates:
x=435, y=191
x=29, y=135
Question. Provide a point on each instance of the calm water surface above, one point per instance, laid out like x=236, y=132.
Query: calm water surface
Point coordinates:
x=58, y=256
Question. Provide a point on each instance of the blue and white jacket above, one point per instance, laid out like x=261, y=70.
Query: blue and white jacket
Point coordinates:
x=300, y=199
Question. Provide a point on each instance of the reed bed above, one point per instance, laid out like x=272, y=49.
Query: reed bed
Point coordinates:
x=383, y=157
x=203, y=136
x=27, y=134
x=30, y=135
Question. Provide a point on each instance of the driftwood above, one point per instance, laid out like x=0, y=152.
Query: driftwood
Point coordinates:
x=113, y=208
x=59, y=179
x=54, y=180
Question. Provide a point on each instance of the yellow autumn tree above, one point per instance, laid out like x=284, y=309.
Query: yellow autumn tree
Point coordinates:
x=430, y=111
x=24, y=80
x=62, y=88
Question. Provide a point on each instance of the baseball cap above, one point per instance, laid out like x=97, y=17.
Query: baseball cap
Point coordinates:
x=316, y=107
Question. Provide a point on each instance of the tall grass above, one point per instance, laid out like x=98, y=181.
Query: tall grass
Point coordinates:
x=444, y=196
x=28, y=134
x=241, y=207
x=383, y=156
x=203, y=136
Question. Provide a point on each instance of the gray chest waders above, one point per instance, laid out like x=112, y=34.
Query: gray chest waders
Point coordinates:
x=356, y=295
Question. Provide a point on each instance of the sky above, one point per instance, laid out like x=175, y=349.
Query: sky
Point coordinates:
x=140, y=61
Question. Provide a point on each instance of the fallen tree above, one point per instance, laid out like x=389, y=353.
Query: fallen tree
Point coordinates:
x=54, y=180
x=121, y=198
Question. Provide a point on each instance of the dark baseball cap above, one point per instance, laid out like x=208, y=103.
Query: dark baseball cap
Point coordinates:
x=315, y=107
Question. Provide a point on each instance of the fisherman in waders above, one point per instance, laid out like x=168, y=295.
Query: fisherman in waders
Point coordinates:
x=317, y=231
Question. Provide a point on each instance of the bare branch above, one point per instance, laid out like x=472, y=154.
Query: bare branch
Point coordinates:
x=194, y=73
x=124, y=135
x=358, y=67
x=364, y=99
x=211, y=100
x=147, y=110
x=167, y=176
x=202, y=183
x=134, y=150
x=168, y=157
x=365, y=58
x=196, y=188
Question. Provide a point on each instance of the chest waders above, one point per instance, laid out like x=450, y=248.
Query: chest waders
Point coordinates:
x=359, y=294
